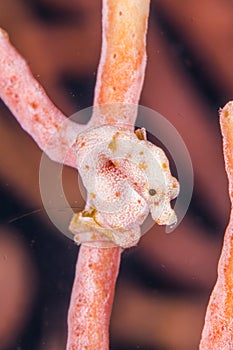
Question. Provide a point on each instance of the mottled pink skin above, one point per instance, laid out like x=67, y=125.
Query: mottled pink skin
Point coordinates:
x=92, y=297
x=218, y=329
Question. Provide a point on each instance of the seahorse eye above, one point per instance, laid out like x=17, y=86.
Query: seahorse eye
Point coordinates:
x=152, y=192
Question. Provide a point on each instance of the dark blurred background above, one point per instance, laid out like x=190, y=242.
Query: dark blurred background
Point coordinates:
x=164, y=282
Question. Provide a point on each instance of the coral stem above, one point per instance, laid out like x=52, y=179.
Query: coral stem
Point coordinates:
x=119, y=82
x=218, y=329
x=31, y=106
x=122, y=64
x=92, y=296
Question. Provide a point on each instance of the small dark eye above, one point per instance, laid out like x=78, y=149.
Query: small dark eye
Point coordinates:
x=152, y=192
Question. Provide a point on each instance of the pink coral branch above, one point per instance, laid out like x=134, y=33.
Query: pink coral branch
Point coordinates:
x=122, y=64
x=92, y=296
x=31, y=106
x=218, y=329
x=120, y=78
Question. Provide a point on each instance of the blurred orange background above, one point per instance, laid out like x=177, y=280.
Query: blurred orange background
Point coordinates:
x=164, y=282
